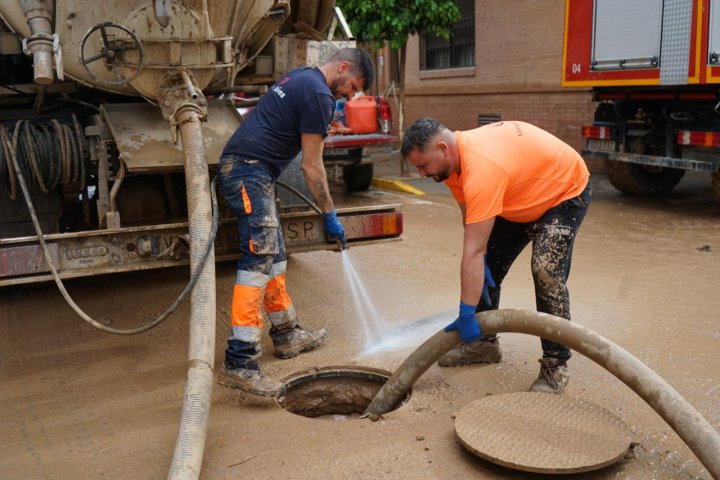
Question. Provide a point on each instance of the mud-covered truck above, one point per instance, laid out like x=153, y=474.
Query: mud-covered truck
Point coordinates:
x=654, y=69
x=96, y=104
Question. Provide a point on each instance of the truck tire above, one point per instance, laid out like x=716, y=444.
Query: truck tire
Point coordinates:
x=358, y=178
x=641, y=180
x=715, y=176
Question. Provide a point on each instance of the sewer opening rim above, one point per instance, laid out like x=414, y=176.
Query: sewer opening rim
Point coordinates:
x=367, y=375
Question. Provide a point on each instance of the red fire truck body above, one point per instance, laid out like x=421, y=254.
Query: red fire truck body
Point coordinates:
x=654, y=69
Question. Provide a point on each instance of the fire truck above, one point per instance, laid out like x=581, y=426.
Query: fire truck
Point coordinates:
x=654, y=69
x=95, y=101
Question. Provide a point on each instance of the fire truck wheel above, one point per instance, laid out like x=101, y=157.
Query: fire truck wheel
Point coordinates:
x=358, y=178
x=642, y=180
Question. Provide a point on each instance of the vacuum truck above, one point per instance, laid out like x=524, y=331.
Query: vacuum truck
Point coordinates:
x=95, y=98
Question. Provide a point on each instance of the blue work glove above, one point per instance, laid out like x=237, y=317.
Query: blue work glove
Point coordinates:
x=488, y=282
x=334, y=229
x=466, y=325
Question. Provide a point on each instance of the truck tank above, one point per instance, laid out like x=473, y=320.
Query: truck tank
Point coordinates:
x=128, y=46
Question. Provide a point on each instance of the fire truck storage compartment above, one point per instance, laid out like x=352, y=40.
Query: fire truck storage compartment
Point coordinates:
x=626, y=34
x=714, y=36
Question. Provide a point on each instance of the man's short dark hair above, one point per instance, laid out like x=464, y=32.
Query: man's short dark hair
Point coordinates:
x=360, y=64
x=418, y=135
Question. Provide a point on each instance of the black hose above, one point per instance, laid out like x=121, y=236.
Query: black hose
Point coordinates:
x=302, y=197
x=49, y=153
x=10, y=164
x=188, y=288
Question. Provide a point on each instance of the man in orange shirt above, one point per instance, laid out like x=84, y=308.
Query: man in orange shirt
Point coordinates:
x=515, y=184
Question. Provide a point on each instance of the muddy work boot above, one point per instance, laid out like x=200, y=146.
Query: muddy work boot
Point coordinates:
x=291, y=342
x=554, y=376
x=249, y=379
x=479, y=351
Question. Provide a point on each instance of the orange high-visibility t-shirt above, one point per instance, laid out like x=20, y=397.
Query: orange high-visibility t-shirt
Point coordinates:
x=514, y=170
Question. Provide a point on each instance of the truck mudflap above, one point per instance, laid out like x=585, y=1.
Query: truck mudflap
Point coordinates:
x=655, y=161
x=159, y=246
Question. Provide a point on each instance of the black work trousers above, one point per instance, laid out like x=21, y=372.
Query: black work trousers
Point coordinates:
x=552, y=237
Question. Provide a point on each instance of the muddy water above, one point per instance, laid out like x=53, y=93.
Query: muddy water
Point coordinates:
x=77, y=403
x=331, y=396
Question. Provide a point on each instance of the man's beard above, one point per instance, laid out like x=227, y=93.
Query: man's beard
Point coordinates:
x=441, y=176
x=334, y=88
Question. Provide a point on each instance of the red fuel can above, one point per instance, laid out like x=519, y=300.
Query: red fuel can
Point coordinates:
x=361, y=114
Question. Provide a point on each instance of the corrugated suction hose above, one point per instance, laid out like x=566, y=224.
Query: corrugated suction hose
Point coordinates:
x=697, y=432
x=190, y=443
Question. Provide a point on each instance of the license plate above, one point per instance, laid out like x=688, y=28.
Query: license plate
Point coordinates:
x=301, y=230
x=601, y=145
x=336, y=152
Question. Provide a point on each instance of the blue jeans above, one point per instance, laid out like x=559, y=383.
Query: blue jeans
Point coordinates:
x=552, y=237
x=260, y=232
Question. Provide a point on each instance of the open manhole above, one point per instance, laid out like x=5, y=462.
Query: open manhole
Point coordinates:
x=333, y=392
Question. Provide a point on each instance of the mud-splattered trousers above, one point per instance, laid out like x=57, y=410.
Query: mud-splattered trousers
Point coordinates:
x=249, y=192
x=552, y=237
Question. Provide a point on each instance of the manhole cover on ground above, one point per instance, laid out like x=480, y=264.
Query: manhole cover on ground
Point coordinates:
x=332, y=391
x=542, y=433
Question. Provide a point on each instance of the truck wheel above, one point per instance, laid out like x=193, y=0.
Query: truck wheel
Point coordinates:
x=642, y=180
x=716, y=183
x=358, y=178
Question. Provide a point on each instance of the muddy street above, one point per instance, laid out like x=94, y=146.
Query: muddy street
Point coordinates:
x=79, y=403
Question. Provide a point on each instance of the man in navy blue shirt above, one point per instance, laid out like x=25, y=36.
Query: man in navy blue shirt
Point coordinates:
x=293, y=115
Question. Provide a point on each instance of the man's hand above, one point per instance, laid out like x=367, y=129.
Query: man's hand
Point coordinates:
x=466, y=325
x=339, y=129
x=334, y=229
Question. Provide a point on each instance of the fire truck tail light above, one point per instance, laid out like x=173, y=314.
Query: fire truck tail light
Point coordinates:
x=698, y=139
x=598, y=133
x=385, y=115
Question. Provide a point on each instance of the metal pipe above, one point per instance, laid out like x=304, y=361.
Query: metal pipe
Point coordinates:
x=188, y=84
x=697, y=432
x=190, y=444
x=116, y=186
x=40, y=43
x=11, y=13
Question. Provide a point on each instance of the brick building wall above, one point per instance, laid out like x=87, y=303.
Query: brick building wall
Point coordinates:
x=561, y=113
x=518, y=62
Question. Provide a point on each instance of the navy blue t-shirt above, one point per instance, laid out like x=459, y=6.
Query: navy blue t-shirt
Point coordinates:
x=300, y=102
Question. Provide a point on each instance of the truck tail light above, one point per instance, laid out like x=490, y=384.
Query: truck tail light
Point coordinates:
x=698, y=139
x=385, y=117
x=598, y=133
x=373, y=225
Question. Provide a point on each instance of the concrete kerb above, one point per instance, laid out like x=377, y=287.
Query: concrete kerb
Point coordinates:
x=395, y=184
